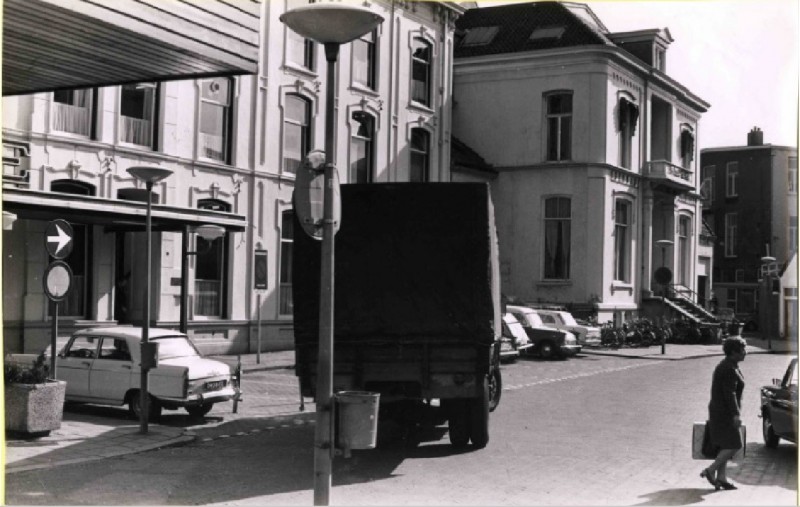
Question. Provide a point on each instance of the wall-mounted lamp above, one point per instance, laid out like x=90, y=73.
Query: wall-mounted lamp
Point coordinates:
x=8, y=220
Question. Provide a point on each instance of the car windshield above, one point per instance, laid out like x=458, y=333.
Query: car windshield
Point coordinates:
x=170, y=347
x=568, y=319
x=532, y=319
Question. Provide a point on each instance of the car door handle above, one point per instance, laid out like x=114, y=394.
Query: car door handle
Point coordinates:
x=86, y=363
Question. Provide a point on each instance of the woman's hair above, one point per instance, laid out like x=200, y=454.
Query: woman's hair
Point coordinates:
x=733, y=344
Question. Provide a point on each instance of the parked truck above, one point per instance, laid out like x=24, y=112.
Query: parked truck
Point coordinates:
x=416, y=303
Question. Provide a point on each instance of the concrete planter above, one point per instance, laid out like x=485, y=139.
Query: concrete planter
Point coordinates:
x=35, y=409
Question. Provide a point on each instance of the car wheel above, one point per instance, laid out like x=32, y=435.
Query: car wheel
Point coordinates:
x=200, y=410
x=495, y=389
x=459, y=423
x=153, y=407
x=479, y=418
x=546, y=350
x=771, y=440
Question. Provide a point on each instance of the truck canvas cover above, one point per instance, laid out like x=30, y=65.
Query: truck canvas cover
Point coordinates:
x=413, y=261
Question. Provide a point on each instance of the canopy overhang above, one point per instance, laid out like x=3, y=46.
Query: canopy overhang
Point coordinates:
x=63, y=44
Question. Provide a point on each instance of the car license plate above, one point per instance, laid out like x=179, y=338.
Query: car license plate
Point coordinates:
x=213, y=386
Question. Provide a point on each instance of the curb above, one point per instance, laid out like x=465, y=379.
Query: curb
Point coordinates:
x=185, y=438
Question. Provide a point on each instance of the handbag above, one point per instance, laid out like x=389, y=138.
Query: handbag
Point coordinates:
x=708, y=449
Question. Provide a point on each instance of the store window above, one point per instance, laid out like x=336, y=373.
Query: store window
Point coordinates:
x=210, y=268
x=287, y=245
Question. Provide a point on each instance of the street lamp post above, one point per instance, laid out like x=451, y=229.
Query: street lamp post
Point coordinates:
x=765, y=313
x=664, y=275
x=150, y=176
x=331, y=25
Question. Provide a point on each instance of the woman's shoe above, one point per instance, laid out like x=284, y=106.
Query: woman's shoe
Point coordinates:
x=726, y=485
x=706, y=473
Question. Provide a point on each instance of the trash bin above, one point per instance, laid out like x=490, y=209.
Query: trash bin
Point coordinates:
x=358, y=419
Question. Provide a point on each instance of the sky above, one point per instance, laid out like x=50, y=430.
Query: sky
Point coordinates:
x=741, y=56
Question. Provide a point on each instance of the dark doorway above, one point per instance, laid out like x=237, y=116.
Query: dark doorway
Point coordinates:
x=122, y=286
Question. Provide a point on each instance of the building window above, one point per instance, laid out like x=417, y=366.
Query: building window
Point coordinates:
x=557, y=218
x=300, y=51
x=210, y=268
x=420, y=155
x=707, y=186
x=421, y=72
x=792, y=183
x=296, y=132
x=479, y=36
x=660, y=62
x=364, y=60
x=622, y=240
x=74, y=303
x=730, y=234
x=216, y=116
x=738, y=276
x=731, y=175
x=361, y=148
x=559, y=126
x=687, y=147
x=73, y=111
x=628, y=115
x=137, y=114
x=287, y=245
x=684, y=251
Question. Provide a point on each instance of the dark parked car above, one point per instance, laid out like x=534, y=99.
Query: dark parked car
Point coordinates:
x=779, y=408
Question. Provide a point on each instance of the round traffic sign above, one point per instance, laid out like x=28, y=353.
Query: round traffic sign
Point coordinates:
x=57, y=280
x=58, y=239
x=663, y=275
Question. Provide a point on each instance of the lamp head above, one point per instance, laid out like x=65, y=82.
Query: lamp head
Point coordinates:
x=149, y=174
x=663, y=243
x=210, y=232
x=331, y=23
x=8, y=220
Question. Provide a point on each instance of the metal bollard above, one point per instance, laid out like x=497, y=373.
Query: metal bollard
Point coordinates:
x=237, y=384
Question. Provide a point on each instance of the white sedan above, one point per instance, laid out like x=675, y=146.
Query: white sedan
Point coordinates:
x=102, y=365
x=587, y=335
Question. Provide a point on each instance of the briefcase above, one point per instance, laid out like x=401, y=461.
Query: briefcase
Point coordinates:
x=699, y=428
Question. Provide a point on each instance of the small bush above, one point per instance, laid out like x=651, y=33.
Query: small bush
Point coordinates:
x=37, y=373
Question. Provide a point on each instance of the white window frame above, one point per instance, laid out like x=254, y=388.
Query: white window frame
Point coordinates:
x=622, y=247
x=792, y=176
x=545, y=221
x=140, y=132
x=731, y=177
x=428, y=85
x=731, y=231
x=555, y=134
x=74, y=120
x=284, y=270
x=306, y=128
x=227, y=142
x=707, y=186
x=368, y=67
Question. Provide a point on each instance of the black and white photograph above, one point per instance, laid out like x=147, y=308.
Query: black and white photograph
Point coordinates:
x=400, y=252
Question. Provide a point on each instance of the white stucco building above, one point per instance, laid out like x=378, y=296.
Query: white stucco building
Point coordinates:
x=233, y=144
x=595, y=150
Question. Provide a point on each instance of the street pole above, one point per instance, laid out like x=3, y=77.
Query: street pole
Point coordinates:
x=323, y=448
x=53, y=333
x=143, y=387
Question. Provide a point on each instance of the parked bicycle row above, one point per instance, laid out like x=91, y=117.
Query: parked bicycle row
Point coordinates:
x=643, y=332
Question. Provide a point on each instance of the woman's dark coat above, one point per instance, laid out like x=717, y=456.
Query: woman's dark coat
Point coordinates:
x=727, y=385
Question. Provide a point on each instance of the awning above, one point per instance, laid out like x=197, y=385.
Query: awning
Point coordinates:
x=114, y=214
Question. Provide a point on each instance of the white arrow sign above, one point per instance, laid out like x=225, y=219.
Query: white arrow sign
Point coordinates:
x=62, y=239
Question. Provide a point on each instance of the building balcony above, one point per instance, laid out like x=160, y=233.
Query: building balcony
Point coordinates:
x=666, y=174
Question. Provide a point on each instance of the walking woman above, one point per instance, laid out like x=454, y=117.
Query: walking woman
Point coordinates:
x=724, y=411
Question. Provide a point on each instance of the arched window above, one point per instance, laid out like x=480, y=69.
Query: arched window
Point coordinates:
x=73, y=187
x=421, y=53
x=362, y=148
x=296, y=132
x=420, y=155
x=557, y=237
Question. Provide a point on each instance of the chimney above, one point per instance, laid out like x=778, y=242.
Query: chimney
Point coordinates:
x=755, y=137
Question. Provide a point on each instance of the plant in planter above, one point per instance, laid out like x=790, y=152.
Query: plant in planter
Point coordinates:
x=34, y=403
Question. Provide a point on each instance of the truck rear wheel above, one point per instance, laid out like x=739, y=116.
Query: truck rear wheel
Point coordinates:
x=479, y=418
x=458, y=422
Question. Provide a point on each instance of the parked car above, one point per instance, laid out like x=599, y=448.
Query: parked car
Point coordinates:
x=586, y=335
x=779, y=408
x=547, y=342
x=515, y=340
x=102, y=365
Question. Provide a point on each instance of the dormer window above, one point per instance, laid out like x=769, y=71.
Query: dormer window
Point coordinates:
x=660, y=59
x=547, y=32
x=479, y=36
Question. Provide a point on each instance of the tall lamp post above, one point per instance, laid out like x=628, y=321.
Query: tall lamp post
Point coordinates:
x=330, y=24
x=663, y=276
x=150, y=176
x=766, y=312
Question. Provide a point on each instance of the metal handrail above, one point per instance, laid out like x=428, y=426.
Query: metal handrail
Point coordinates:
x=679, y=291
